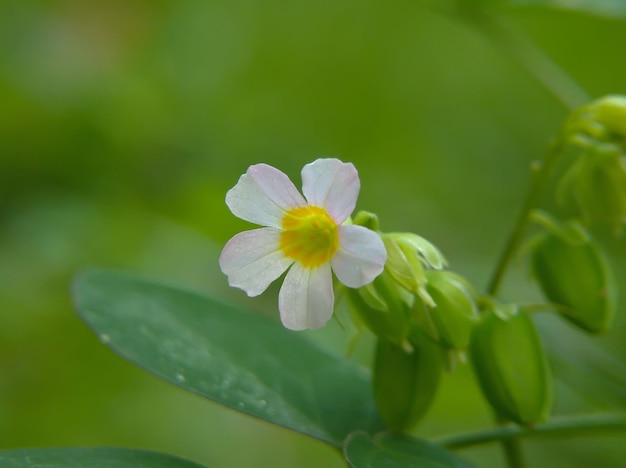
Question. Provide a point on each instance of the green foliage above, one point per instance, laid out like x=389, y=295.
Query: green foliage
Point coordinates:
x=142, y=114
x=388, y=450
x=234, y=357
x=97, y=457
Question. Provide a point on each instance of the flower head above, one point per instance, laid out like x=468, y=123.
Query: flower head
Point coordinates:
x=303, y=234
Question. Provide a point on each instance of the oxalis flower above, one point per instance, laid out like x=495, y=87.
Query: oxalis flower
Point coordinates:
x=303, y=234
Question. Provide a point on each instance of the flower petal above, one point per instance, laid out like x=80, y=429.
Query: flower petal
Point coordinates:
x=332, y=184
x=306, y=297
x=252, y=260
x=262, y=195
x=361, y=256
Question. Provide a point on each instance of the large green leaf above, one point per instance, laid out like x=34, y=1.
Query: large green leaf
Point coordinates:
x=96, y=457
x=235, y=357
x=387, y=450
x=610, y=8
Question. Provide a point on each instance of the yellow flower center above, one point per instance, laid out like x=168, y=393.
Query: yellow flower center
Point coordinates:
x=310, y=236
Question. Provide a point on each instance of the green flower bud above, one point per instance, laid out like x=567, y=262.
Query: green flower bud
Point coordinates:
x=405, y=383
x=367, y=219
x=596, y=180
x=384, y=307
x=455, y=312
x=407, y=271
x=408, y=255
x=603, y=120
x=574, y=274
x=427, y=253
x=597, y=183
x=610, y=111
x=393, y=302
x=511, y=367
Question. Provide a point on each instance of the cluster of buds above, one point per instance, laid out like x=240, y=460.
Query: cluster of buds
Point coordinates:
x=422, y=316
x=427, y=318
x=596, y=181
x=414, y=296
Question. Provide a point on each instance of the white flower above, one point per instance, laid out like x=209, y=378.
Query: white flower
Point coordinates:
x=307, y=235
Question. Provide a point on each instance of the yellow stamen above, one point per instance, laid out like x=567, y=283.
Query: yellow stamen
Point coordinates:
x=310, y=236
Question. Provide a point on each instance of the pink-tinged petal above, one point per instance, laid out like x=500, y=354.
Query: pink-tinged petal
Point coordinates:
x=332, y=184
x=360, y=258
x=262, y=195
x=306, y=297
x=252, y=260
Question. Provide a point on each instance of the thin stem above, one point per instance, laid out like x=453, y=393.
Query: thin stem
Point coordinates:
x=516, y=44
x=558, y=427
x=571, y=95
x=565, y=90
x=513, y=453
x=538, y=64
x=539, y=178
x=512, y=448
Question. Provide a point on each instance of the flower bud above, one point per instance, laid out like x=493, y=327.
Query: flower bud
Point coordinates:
x=367, y=219
x=384, y=307
x=511, y=367
x=405, y=383
x=408, y=255
x=455, y=312
x=603, y=120
x=393, y=302
x=596, y=180
x=575, y=275
x=610, y=112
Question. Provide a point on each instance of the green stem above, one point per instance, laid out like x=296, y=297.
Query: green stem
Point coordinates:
x=538, y=64
x=517, y=45
x=512, y=448
x=558, y=427
x=571, y=95
x=539, y=178
x=565, y=90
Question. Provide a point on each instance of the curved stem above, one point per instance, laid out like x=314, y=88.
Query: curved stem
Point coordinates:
x=552, y=77
x=540, y=175
x=570, y=426
x=516, y=44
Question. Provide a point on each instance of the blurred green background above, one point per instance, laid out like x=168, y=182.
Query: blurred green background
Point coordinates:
x=123, y=124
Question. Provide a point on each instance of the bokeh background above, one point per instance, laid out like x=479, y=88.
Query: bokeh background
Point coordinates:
x=123, y=124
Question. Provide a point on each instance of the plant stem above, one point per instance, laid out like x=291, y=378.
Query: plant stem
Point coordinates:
x=571, y=426
x=540, y=174
x=571, y=95
x=538, y=64
x=567, y=91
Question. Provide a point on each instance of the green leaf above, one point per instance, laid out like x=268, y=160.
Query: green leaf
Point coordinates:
x=610, y=8
x=238, y=358
x=95, y=457
x=388, y=450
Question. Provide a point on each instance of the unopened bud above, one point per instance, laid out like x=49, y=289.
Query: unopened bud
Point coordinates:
x=575, y=274
x=511, y=367
x=405, y=383
x=455, y=312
